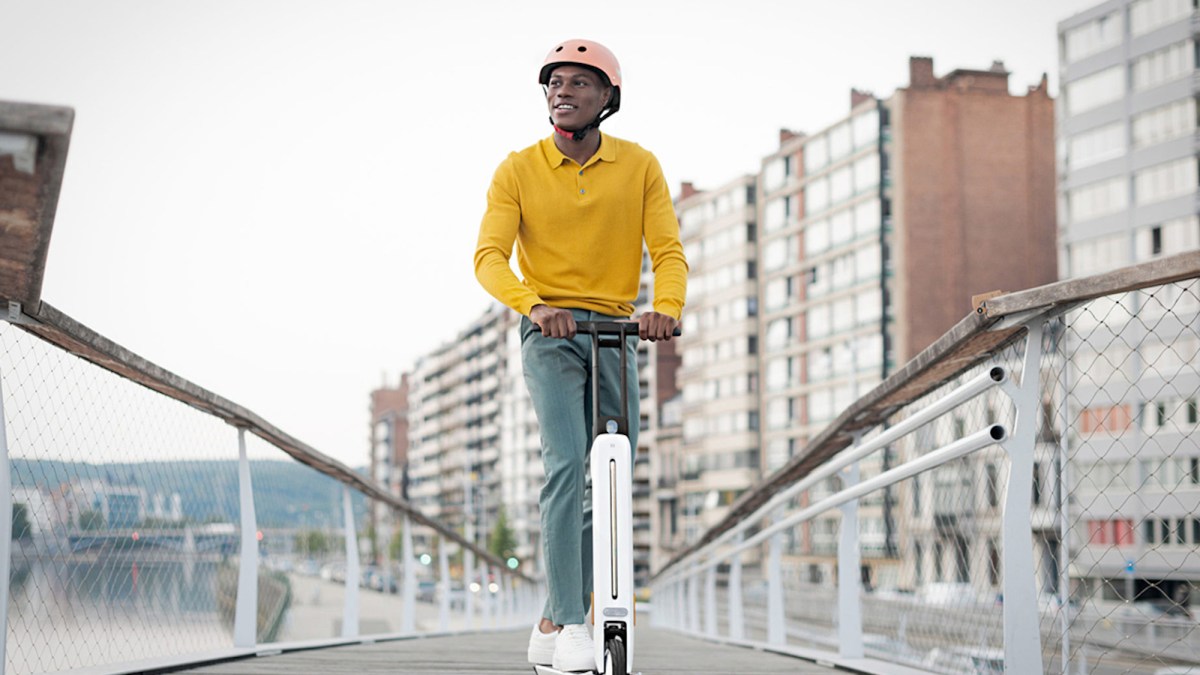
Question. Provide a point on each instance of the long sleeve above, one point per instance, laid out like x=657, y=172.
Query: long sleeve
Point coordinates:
x=660, y=227
x=497, y=233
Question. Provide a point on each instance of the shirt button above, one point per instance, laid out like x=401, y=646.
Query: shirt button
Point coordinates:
x=581, y=172
x=581, y=191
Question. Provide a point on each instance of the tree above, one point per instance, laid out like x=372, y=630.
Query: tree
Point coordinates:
x=91, y=520
x=312, y=542
x=502, y=541
x=20, y=522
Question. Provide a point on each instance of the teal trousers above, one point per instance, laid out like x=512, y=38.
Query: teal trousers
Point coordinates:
x=558, y=374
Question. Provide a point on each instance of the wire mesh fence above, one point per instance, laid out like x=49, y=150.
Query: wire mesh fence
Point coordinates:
x=127, y=540
x=1114, y=511
x=120, y=530
x=1132, y=380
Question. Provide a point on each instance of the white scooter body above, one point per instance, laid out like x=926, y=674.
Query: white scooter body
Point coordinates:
x=612, y=547
x=612, y=552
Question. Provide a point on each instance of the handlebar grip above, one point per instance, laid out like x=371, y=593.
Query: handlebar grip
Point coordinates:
x=613, y=328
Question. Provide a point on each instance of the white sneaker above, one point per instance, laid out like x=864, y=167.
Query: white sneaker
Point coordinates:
x=541, y=647
x=574, y=650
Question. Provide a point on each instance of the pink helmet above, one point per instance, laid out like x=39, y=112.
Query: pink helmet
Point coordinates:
x=591, y=55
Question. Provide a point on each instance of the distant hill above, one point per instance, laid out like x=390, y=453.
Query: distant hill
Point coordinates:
x=286, y=494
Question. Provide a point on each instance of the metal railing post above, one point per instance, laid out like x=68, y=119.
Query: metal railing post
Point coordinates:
x=468, y=598
x=6, y=533
x=1022, y=636
x=245, y=621
x=485, y=600
x=350, y=606
x=408, y=623
x=710, y=602
x=850, y=640
x=693, y=603
x=737, y=621
x=446, y=585
x=776, y=630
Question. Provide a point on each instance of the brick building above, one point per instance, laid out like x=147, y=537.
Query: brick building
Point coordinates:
x=875, y=233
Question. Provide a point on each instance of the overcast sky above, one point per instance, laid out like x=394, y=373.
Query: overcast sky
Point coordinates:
x=279, y=200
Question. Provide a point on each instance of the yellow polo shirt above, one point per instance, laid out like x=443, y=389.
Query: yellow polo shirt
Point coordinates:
x=579, y=230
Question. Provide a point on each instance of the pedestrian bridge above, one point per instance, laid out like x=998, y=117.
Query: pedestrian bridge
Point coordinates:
x=1037, y=467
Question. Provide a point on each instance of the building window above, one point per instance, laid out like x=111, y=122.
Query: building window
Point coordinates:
x=939, y=551
x=1164, y=181
x=1163, y=65
x=1106, y=419
x=993, y=486
x=1097, y=199
x=1164, y=123
x=1169, y=238
x=993, y=563
x=962, y=560
x=919, y=563
x=1096, y=145
x=1101, y=254
x=1146, y=15
x=1037, y=483
x=1095, y=90
x=1092, y=37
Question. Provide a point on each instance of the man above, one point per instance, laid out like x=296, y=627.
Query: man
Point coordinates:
x=579, y=206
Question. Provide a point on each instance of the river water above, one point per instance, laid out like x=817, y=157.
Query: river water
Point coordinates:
x=65, y=615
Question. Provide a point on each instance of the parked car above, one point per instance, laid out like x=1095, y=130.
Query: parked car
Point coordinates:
x=426, y=590
x=946, y=593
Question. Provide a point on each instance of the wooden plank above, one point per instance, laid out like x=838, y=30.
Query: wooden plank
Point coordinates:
x=57, y=328
x=658, y=652
x=1152, y=273
x=29, y=200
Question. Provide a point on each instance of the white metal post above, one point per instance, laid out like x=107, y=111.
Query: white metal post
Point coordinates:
x=350, y=607
x=468, y=573
x=693, y=617
x=710, y=602
x=776, y=630
x=1022, y=637
x=245, y=621
x=850, y=641
x=446, y=585
x=737, y=622
x=485, y=599
x=408, y=623
x=6, y=511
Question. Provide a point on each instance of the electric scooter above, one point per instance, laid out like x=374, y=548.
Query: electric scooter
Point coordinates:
x=611, y=467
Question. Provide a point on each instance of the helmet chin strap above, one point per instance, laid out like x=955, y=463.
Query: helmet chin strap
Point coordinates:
x=577, y=135
x=580, y=134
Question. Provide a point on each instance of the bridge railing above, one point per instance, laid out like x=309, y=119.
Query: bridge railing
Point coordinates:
x=1023, y=496
x=148, y=521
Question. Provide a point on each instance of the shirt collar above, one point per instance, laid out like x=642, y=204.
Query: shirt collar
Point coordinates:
x=555, y=158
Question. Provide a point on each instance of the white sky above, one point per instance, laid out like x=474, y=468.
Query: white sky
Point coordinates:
x=279, y=200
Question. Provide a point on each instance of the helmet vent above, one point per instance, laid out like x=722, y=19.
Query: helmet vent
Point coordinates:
x=582, y=48
x=559, y=48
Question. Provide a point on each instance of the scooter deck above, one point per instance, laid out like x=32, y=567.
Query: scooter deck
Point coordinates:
x=549, y=670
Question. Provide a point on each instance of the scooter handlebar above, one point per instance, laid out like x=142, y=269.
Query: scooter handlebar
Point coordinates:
x=613, y=328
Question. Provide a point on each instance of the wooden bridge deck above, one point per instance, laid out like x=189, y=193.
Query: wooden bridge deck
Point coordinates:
x=659, y=652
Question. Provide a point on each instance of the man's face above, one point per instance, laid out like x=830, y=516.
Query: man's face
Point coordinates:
x=575, y=96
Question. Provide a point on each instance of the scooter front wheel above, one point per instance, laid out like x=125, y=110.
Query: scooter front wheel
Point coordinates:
x=615, y=665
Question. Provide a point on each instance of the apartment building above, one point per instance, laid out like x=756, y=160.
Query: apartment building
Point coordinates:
x=389, y=455
x=718, y=376
x=1128, y=193
x=876, y=231
x=455, y=399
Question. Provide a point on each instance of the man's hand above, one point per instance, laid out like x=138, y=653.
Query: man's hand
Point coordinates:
x=554, y=322
x=653, y=326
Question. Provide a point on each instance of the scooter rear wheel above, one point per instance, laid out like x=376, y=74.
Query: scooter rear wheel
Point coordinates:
x=615, y=647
